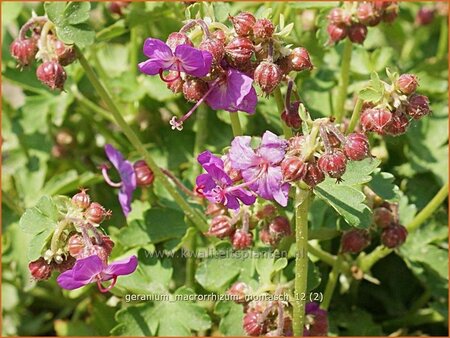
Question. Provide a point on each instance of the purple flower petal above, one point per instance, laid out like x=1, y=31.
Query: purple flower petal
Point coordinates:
x=249, y=102
x=272, y=148
x=208, y=157
x=242, y=156
x=245, y=196
x=120, y=268
x=231, y=202
x=86, y=269
x=114, y=156
x=66, y=281
x=193, y=61
x=151, y=66
x=157, y=50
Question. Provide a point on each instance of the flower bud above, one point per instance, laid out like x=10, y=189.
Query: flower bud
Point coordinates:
x=355, y=240
x=107, y=244
x=425, y=16
x=407, y=83
x=394, y=235
x=263, y=29
x=75, y=245
x=243, y=23
x=215, y=47
x=116, y=7
x=241, y=239
x=316, y=321
x=194, y=89
x=239, y=51
x=220, y=35
x=285, y=64
x=376, y=120
x=390, y=11
x=96, y=213
x=418, y=106
x=66, y=54
x=81, y=200
x=144, y=175
x=296, y=144
x=367, y=15
x=314, y=175
x=336, y=16
x=40, y=269
x=177, y=38
x=357, y=33
x=336, y=32
x=382, y=217
x=52, y=74
x=357, y=147
x=176, y=86
x=333, y=163
x=239, y=290
x=398, y=125
x=291, y=116
x=23, y=50
x=264, y=236
x=293, y=168
x=267, y=211
x=299, y=59
x=252, y=325
x=279, y=228
x=220, y=227
x=267, y=76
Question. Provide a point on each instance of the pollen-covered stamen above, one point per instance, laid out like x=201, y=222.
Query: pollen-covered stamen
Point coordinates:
x=109, y=287
x=178, y=123
x=108, y=180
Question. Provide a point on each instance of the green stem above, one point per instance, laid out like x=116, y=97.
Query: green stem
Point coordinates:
x=344, y=80
x=331, y=284
x=191, y=213
x=134, y=63
x=355, y=116
x=280, y=104
x=190, y=261
x=322, y=255
x=429, y=209
x=236, y=124
x=57, y=234
x=423, y=316
x=302, y=202
x=442, y=45
x=12, y=204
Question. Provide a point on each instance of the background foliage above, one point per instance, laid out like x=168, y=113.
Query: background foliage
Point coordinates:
x=411, y=296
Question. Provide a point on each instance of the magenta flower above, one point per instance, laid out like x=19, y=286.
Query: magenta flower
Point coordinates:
x=260, y=168
x=128, y=177
x=184, y=59
x=234, y=92
x=216, y=185
x=91, y=269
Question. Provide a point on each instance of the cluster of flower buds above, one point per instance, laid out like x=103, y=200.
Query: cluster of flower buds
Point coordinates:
x=355, y=240
x=274, y=229
x=79, y=251
x=235, y=226
x=131, y=175
x=43, y=45
x=385, y=217
x=310, y=158
x=220, y=68
x=262, y=317
x=352, y=19
x=399, y=105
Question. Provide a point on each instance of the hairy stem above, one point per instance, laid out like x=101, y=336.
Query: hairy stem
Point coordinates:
x=200, y=136
x=302, y=202
x=443, y=39
x=355, y=116
x=345, y=76
x=280, y=104
x=191, y=213
x=236, y=124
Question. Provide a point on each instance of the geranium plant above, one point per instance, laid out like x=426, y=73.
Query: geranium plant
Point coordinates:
x=225, y=169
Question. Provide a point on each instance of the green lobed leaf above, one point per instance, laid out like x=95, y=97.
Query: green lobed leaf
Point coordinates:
x=383, y=185
x=231, y=317
x=346, y=197
x=42, y=217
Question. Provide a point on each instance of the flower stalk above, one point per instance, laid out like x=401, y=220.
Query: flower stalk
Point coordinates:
x=355, y=116
x=302, y=203
x=191, y=213
x=236, y=124
x=280, y=104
